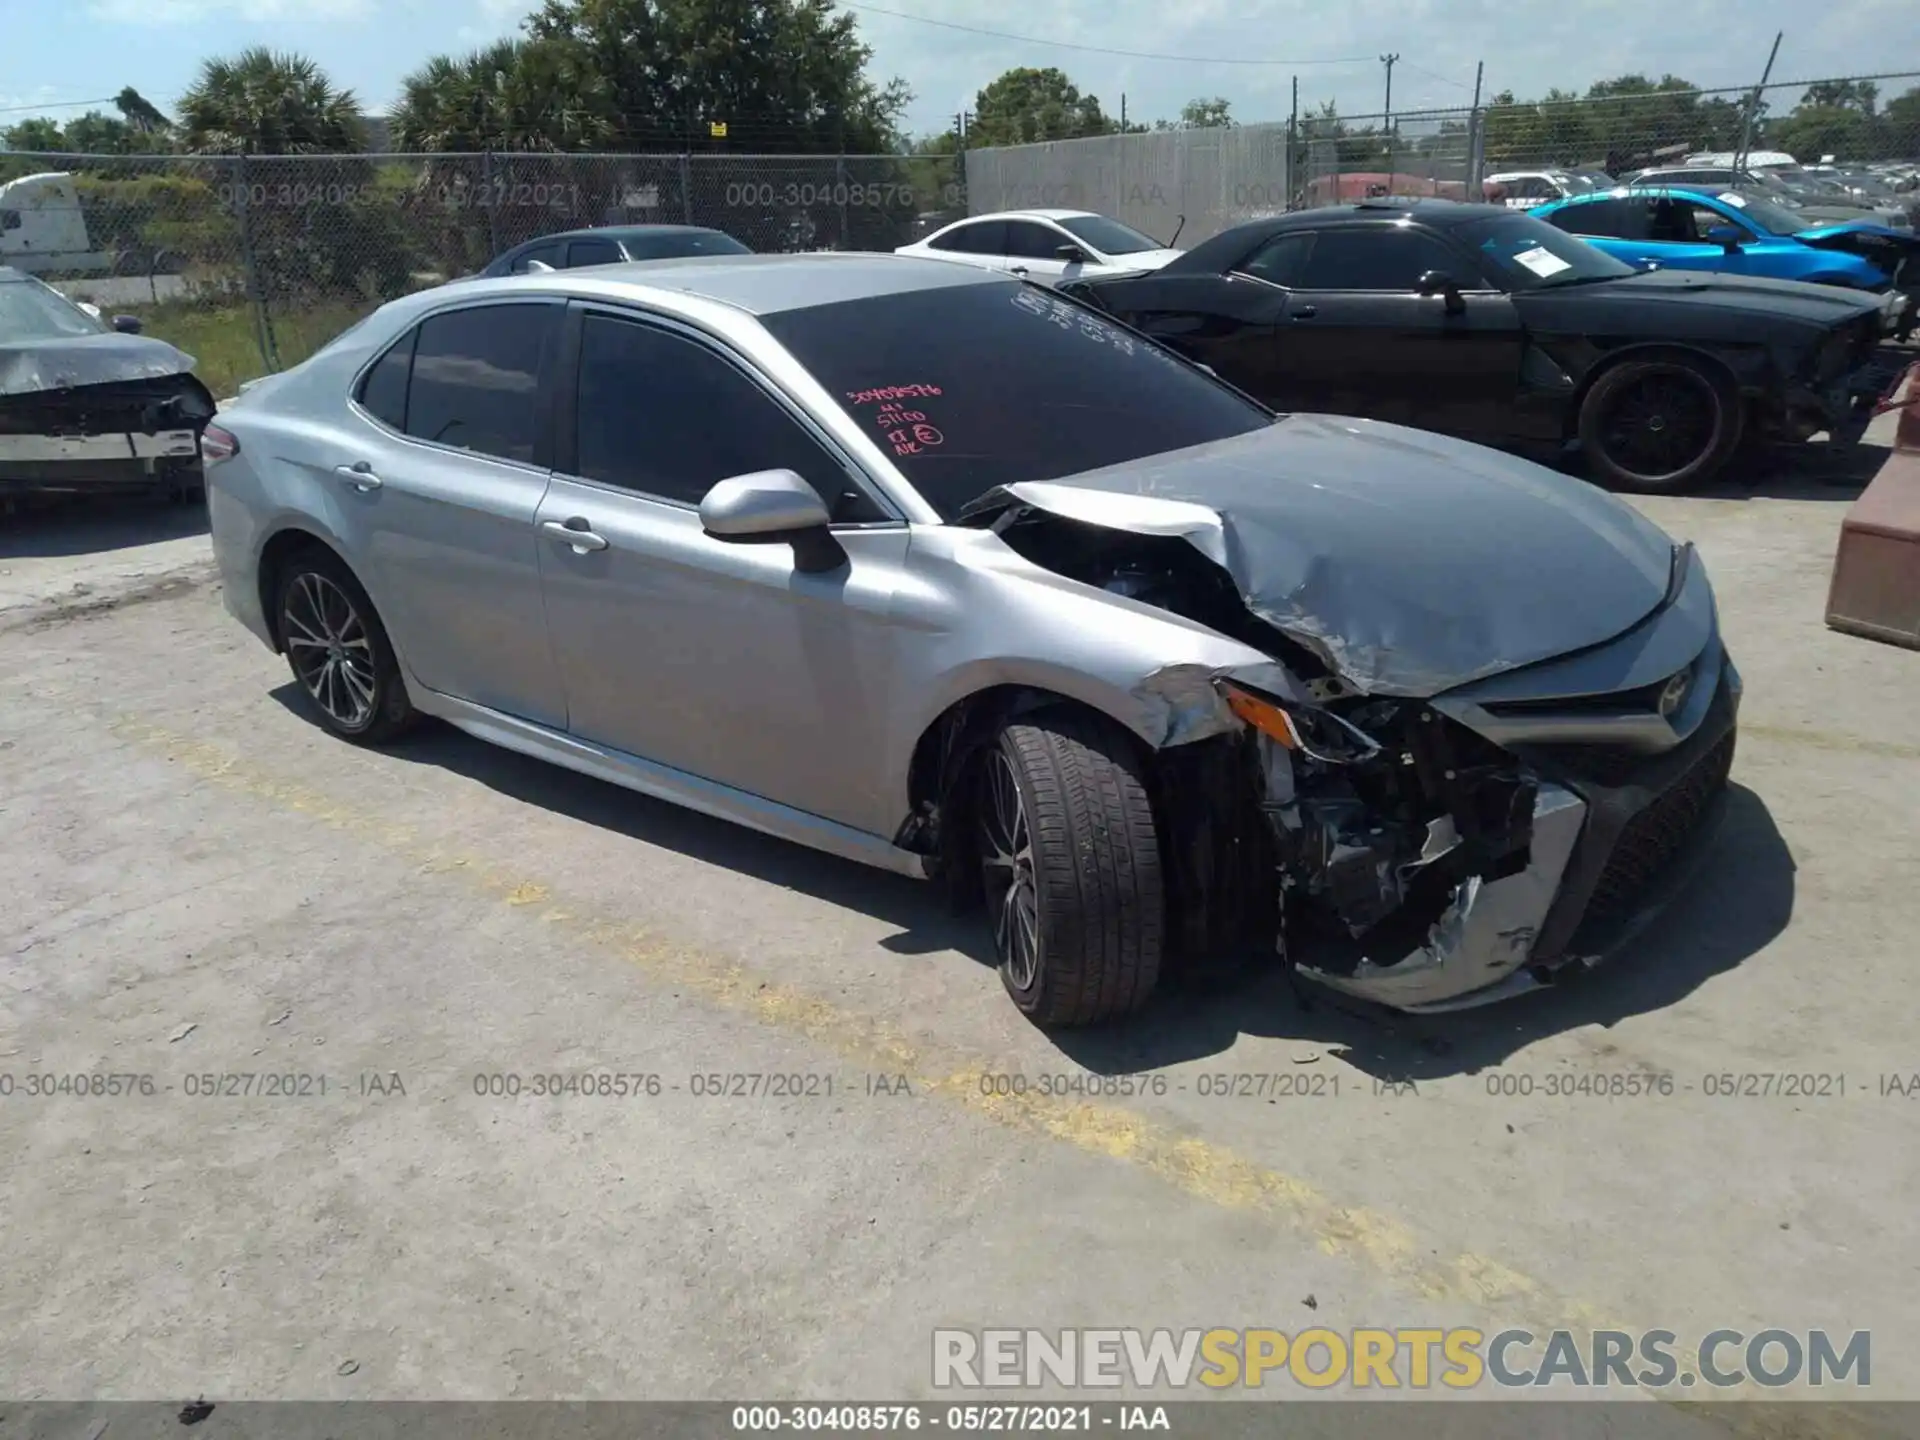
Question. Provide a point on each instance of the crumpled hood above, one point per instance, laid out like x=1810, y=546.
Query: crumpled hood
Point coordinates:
x=1411, y=563
x=71, y=360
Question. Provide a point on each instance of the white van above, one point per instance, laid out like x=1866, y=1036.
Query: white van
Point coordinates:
x=42, y=228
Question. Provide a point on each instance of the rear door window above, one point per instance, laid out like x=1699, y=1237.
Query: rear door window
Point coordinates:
x=986, y=238
x=593, y=252
x=476, y=378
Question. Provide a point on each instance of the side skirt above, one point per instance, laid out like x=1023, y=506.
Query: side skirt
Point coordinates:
x=662, y=782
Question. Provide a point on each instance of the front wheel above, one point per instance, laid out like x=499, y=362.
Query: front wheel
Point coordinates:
x=339, y=652
x=1071, y=868
x=1658, y=425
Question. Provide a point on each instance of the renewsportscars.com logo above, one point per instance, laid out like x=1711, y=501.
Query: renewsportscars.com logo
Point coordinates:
x=1380, y=1359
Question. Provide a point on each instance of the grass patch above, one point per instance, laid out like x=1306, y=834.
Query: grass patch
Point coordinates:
x=224, y=339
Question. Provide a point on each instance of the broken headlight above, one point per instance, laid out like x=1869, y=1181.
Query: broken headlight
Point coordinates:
x=1317, y=733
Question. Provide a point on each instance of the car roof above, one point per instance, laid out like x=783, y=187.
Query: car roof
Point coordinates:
x=1036, y=214
x=757, y=284
x=1442, y=214
x=622, y=232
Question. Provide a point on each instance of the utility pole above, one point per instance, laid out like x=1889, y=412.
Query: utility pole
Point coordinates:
x=1476, y=137
x=1123, y=112
x=1753, y=108
x=1388, y=61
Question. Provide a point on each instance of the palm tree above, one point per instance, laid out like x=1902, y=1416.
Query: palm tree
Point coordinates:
x=265, y=103
x=528, y=95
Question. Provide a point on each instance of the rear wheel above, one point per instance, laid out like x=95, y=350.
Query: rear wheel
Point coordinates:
x=1658, y=425
x=339, y=652
x=1071, y=869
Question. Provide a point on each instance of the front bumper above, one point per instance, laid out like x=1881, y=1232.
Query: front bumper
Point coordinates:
x=1616, y=837
x=83, y=464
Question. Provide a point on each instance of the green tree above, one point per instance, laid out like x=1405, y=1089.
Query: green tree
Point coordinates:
x=1215, y=113
x=514, y=95
x=140, y=113
x=265, y=103
x=97, y=134
x=1901, y=123
x=782, y=75
x=1861, y=95
x=41, y=133
x=1026, y=105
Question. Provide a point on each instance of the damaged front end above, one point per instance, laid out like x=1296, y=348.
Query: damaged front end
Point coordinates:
x=101, y=413
x=1403, y=811
x=1416, y=861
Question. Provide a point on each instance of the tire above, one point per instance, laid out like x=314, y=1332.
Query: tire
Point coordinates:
x=1628, y=434
x=1080, y=923
x=338, y=651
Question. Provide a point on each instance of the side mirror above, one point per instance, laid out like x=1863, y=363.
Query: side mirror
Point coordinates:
x=127, y=324
x=1438, y=282
x=773, y=506
x=1072, y=254
x=1728, y=237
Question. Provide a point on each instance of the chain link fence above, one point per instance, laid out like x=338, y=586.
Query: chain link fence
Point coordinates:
x=1857, y=138
x=251, y=263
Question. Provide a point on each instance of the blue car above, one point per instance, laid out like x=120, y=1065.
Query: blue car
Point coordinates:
x=1740, y=233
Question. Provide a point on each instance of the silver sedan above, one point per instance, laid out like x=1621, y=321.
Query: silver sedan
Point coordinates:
x=943, y=572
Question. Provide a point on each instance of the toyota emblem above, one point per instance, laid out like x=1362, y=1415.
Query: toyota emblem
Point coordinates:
x=1674, y=694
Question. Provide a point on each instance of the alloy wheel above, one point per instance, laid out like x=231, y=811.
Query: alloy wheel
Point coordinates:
x=1007, y=860
x=332, y=653
x=1661, y=423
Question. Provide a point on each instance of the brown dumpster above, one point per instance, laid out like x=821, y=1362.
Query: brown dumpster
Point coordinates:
x=1876, y=574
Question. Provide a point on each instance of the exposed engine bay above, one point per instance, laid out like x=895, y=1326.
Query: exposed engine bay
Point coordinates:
x=1381, y=822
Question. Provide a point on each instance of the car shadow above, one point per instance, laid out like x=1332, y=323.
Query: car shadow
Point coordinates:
x=925, y=925
x=50, y=528
x=1738, y=901
x=1814, y=471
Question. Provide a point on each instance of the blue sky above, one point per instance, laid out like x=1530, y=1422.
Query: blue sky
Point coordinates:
x=76, y=50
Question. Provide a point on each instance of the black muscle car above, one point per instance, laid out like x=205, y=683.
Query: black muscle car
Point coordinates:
x=1483, y=322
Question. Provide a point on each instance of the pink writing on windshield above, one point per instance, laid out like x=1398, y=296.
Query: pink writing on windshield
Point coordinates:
x=892, y=392
x=907, y=430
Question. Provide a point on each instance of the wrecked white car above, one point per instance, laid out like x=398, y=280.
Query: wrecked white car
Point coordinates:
x=943, y=572
x=88, y=407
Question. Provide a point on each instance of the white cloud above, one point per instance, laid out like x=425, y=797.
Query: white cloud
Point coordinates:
x=190, y=12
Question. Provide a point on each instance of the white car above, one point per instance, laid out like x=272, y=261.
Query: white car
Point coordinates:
x=1524, y=189
x=1045, y=245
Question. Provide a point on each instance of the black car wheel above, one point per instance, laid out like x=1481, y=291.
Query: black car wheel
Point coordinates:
x=339, y=652
x=1070, y=864
x=1658, y=425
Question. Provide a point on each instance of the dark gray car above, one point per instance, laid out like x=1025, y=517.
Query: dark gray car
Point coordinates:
x=944, y=572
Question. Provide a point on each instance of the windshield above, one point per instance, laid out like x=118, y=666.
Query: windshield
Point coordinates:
x=32, y=311
x=1772, y=218
x=1109, y=237
x=972, y=386
x=1523, y=253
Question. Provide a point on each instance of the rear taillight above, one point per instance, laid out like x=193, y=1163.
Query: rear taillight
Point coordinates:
x=217, y=444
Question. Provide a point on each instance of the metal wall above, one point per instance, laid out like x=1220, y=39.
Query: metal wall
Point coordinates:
x=1215, y=178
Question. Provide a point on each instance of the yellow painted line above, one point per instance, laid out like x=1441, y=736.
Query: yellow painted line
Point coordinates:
x=1196, y=1167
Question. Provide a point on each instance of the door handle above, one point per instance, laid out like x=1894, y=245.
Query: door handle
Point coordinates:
x=1019, y=270
x=575, y=533
x=1305, y=312
x=360, y=475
